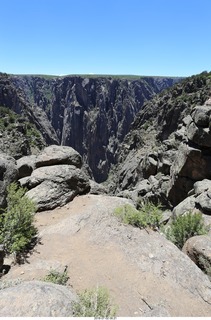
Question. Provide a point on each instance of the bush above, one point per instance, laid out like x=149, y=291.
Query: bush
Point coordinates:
x=57, y=277
x=184, y=227
x=148, y=215
x=16, y=222
x=94, y=303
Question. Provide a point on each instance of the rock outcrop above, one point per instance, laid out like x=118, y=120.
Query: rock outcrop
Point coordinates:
x=198, y=247
x=168, y=149
x=53, y=186
x=37, y=299
x=56, y=177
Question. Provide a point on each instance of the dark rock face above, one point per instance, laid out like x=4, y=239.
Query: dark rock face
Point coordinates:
x=2, y=255
x=92, y=115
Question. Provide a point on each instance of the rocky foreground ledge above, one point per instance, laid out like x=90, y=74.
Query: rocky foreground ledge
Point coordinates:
x=145, y=273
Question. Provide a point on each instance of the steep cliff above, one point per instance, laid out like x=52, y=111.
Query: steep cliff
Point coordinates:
x=90, y=113
x=168, y=148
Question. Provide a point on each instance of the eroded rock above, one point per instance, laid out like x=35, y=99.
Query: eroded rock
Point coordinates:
x=37, y=299
x=55, y=185
x=197, y=248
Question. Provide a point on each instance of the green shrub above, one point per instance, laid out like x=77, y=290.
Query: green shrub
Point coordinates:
x=94, y=303
x=184, y=227
x=148, y=215
x=16, y=222
x=57, y=277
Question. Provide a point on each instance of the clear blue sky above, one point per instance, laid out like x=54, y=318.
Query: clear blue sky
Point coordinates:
x=142, y=37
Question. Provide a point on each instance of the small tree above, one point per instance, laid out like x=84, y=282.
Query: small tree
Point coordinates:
x=184, y=227
x=16, y=222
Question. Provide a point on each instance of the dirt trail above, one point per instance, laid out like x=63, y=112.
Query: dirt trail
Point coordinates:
x=68, y=237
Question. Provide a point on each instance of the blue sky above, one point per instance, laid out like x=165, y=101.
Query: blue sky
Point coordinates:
x=142, y=37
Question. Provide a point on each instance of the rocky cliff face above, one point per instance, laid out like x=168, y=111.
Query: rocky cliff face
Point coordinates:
x=90, y=114
x=168, y=148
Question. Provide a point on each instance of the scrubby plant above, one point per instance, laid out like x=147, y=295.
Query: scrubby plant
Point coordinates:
x=57, y=277
x=94, y=303
x=205, y=265
x=17, y=231
x=148, y=215
x=184, y=227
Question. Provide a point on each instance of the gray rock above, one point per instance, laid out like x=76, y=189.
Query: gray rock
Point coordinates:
x=58, y=155
x=53, y=186
x=202, y=186
x=188, y=204
x=143, y=187
x=149, y=166
x=8, y=174
x=97, y=188
x=198, y=247
x=198, y=135
x=36, y=299
x=165, y=162
x=25, y=166
x=187, y=120
x=204, y=201
x=189, y=166
x=201, y=115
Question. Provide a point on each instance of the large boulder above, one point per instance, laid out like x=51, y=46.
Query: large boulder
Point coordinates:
x=202, y=186
x=58, y=155
x=198, y=248
x=8, y=174
x=97, y=188
x=201, y=115
x=187, y=205
x=198, y=135
x=55, y=185
x=204, y=201
x=36, y=299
